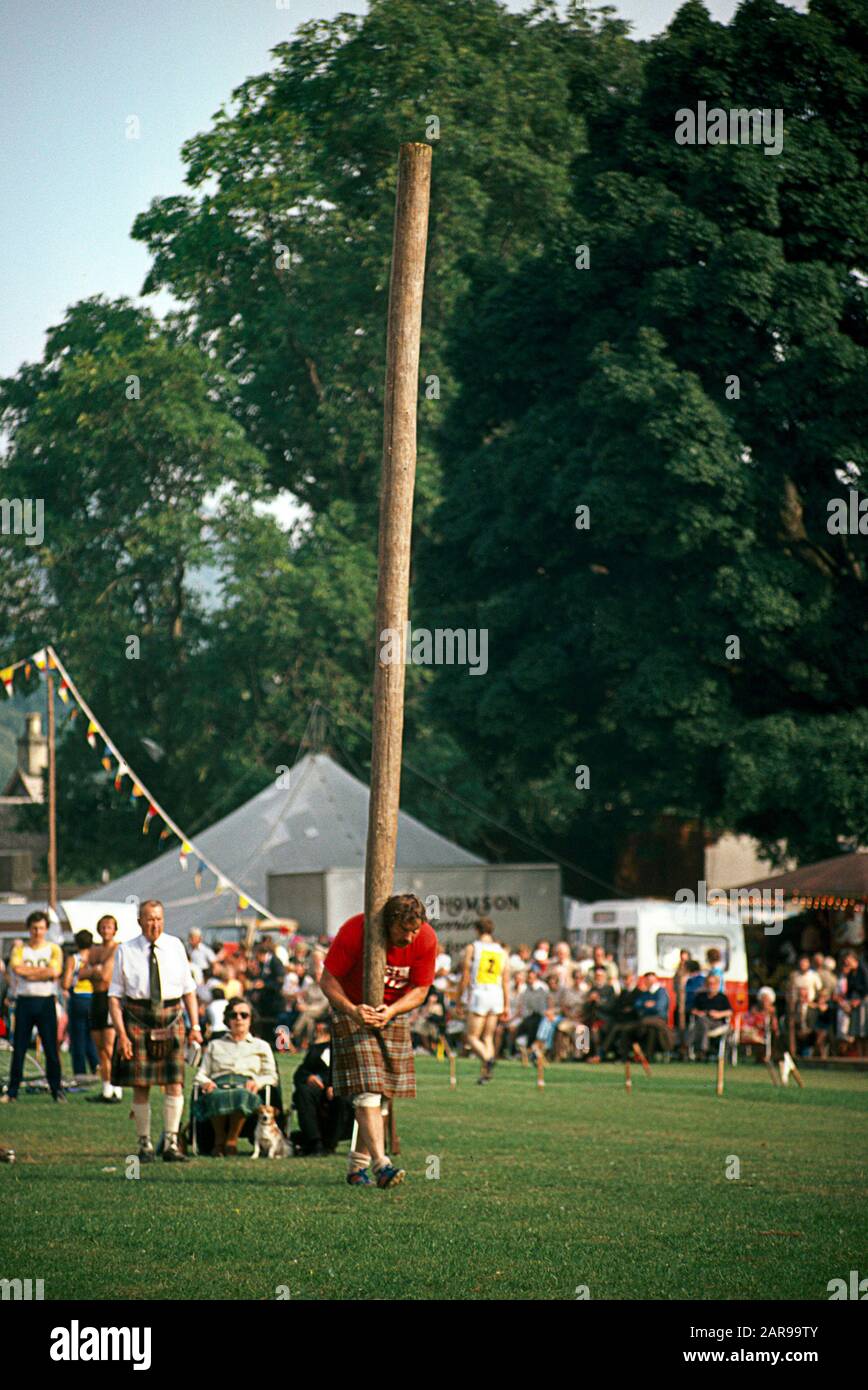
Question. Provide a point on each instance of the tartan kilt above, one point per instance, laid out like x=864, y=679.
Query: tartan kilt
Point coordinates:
x=378, y=1060
x=230, y=1098
x=142, y=1070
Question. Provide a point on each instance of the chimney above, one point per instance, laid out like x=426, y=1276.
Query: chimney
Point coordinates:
x=33, y=747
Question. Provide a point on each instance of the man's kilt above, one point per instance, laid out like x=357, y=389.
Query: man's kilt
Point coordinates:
x=377, y=1060
x=141, y=1070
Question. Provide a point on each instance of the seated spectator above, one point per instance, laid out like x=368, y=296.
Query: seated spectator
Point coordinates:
x=600, y=958
x=651, y=1006
x=569, y=1004
x=510, y=1028
x=563, y=965
x=233, y=1072
x=520, y=959
x=599, y=1008
x=323, y=1118
x=709, y=1017
x=311, y=1003
x=824, y=1022
x=714, y=963
x=620, y=1036
x=803, y=977
x=534, y=1003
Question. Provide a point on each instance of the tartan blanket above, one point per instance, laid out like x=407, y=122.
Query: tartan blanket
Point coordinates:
x=141, y=1070
x=379, y=1060
x=230, y=1098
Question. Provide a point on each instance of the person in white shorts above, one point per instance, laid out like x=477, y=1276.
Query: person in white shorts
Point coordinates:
x=485, y=992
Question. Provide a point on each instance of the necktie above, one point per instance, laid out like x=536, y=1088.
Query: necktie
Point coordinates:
x=156, y=990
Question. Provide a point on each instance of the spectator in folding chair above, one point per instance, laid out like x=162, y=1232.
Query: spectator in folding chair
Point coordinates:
x=621, y=1036
x=599, y=1010
x=232, y=1078
x=709, y=1018
x=652, y=1012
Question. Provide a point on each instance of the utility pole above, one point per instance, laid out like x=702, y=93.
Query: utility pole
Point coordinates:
x=396, y=520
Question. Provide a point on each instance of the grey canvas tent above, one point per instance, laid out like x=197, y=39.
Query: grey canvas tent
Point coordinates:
x=319, y=821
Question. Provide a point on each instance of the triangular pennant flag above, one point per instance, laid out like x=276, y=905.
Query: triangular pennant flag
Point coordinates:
x=121, y=773
x=137, y=791
x=186, y=848
x=27, y=669
x=63, y=692
x=6, y=678
x=92, y=731
x=39, y=658
x=149, y=816
x=165, y=833
x=242, y=901
x=52, y=664
x=197, y=877
x=222, y=884
x=73, y=714
x=106, y=759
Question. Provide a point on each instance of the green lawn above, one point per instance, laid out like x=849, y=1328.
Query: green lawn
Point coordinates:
x=540, y=1191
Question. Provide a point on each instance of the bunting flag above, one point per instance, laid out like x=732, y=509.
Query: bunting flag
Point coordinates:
x=47, y=659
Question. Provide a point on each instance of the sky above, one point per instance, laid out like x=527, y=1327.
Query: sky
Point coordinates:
x=71, y=182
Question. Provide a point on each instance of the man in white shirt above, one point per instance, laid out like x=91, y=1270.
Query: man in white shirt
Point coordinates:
x=150, y=982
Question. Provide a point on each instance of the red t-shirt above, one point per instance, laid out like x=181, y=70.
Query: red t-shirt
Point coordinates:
x=406, y=966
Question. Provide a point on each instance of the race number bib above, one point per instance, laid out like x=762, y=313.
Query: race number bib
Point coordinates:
x=490, y=968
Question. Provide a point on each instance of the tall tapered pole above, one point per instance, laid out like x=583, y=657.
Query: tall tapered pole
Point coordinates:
x=396, y=519
x=52, y=799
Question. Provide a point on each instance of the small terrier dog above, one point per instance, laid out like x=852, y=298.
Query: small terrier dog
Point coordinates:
x=268, y=1138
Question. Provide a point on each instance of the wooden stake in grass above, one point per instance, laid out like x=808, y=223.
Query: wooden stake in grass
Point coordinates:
x=540, y=1068
x=453, y=1079
x=396, y=518
x=721, y=1063
x=627, y=1081
x=640, y=1057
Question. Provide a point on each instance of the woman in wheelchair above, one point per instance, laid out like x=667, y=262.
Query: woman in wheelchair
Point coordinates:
x=235, y=1070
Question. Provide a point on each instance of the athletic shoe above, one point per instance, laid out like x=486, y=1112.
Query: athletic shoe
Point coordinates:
x=61, y=1098
x=171, y=1152
x=146, y=1151
x=390, y=1177
x=361, y=1178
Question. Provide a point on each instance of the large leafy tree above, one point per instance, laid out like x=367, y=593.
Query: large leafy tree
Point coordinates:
x=611, y=387
x=121, y=434
x=281, y=250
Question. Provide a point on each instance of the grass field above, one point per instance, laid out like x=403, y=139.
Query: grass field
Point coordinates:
x=540, y=1192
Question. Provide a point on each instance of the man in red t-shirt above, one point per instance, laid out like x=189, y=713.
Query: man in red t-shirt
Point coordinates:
x=373, y=1052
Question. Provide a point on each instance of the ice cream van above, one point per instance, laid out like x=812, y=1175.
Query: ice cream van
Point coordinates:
x=645, y=934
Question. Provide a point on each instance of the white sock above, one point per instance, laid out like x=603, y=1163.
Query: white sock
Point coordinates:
x=107, y=1090
x=358, y=1160
x=142, y=1115
x=173, y=1109
x=118, y=1091
x=385, y=1162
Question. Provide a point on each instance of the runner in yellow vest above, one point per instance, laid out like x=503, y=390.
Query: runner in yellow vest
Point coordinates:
x=485, y=993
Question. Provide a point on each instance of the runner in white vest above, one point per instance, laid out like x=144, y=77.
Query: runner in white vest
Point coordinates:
x=485, y=993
